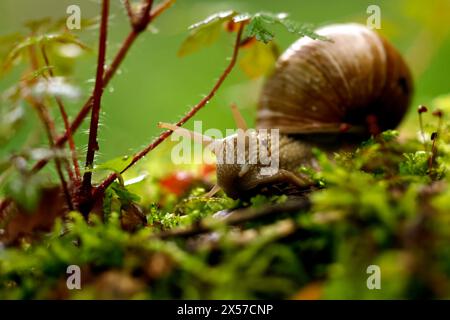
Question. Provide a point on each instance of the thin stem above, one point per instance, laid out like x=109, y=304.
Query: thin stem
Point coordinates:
x=434, y=137
x=110, y=72
x=420, y=110
x=65, y=118
x=49, y=126
x=163, y=136
x=97, y=97
x=422, y=132
x=160, y=8
x=238, y=118
x=196, y=136
x=127, y=5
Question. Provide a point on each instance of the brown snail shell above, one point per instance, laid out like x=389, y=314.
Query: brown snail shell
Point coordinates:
x=325, y=86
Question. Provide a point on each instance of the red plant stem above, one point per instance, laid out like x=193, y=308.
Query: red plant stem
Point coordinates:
x=160, y=8
x=142, y=23
x=97, y=99
x=163, y=136
x=65, y=118
x=110, y=72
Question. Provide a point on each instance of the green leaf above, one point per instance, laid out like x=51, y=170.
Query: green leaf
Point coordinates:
x=304, y=30
x=116, y=164
x=212, y=19
x=257, y=27
x=204, y=33
x=41, y=40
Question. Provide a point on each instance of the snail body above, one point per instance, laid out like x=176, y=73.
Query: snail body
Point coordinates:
x=327, y=94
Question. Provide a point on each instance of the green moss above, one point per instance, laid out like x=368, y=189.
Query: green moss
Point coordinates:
x=380, y=205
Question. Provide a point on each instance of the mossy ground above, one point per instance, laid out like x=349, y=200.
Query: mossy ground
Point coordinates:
x=385, y=204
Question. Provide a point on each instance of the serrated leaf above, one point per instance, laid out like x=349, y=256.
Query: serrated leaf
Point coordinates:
x=257, y=27
x=212, y=19
x=259, y=59
x=204, y=33
x=41, y=40
x=271, y=18
x=303, y=30
x=116, y=164
x=242, y=17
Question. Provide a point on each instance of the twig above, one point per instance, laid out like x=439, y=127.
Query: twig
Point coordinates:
x=163, y=136
x=144, y=18
x=160, y=8
x=97, y=97
x=110, y=72
x=65, y=118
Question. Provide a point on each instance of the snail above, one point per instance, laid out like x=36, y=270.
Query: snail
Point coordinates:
x=328, y=94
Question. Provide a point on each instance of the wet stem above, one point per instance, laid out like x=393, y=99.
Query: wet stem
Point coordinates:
x=96, y=101
x=109, y=73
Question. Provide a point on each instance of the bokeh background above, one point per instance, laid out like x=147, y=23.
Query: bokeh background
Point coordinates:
x=154, y=84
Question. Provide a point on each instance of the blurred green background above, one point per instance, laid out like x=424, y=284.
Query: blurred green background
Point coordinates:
x=154, y=84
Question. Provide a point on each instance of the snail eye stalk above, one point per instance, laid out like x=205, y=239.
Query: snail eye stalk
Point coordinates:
x=238, y=118
x=197, y=137
x=213, y=191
